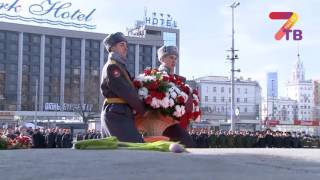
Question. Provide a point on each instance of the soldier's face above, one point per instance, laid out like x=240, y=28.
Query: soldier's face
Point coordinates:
x=121, y=48
x=169, y=61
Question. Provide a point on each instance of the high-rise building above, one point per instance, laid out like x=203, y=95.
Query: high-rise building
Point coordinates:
x=272, y=84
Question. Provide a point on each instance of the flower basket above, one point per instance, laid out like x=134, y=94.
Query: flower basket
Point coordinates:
x=169, y=101
x=154, y=124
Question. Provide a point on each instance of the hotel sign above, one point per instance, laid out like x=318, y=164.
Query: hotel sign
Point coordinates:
x=161, y=19
x=53, y=12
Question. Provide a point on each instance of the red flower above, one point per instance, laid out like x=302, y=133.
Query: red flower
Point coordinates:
x=196, y=114
x=195, y=92
x=171, y=78
x=180, y=100
x=185, y=89
x=195, y=103
x=148, y=100
x=137, y=84
x=152, y=85
x=157, y=95
x=147, y=72
x=165, y=78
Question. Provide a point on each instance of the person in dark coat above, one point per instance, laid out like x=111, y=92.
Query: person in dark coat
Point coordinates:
x=67, y=140
x=79, y=136
x=261, y=141
x=59, y=138
x=36, y=139
x=50, y=139
x=269, y=139
x=121, y=97
x=212, y=140
x=277, y=140
x=42, y=139
x=194, y=137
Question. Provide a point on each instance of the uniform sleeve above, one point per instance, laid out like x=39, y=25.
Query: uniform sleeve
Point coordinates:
x=121, y=87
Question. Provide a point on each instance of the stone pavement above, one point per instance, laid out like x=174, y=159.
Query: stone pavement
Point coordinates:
x=211, y=164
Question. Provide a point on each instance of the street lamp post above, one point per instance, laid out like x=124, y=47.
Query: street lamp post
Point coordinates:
x=233, y=58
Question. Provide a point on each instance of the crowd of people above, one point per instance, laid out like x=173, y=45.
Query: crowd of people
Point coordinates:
x=49, y=137
x=42, y=137
x=202, y=138
x=206, y=138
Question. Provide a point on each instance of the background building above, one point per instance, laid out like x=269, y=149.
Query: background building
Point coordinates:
x=316, y=94
x=63, y=68
x=285, y=110
x=301, y=90
x=215, y=94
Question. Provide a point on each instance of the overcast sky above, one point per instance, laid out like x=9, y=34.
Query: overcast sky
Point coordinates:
x=205, y=27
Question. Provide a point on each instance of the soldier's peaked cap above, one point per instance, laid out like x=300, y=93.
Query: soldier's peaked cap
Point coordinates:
x=113, y=39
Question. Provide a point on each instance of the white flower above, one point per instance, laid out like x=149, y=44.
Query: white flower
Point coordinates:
x=165, y=102
x=149, y=78
x=171, y=102
x=143, y=92
x=173, y=95
x=180, y=111
x=155, y=103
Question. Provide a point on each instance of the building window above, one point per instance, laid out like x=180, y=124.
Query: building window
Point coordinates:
x=206, y=98
x=245, y=110
x=246, y=91
x=245, y=100
x=214, y=89
x=238, y=99
x=214, y=99
x=238, y=90
x=222, y=99
x=222, y=89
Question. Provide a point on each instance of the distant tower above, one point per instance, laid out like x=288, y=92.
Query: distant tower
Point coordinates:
x=298, y=70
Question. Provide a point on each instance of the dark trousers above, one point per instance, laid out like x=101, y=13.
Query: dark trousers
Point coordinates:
x=177, y=133
x=118, y=120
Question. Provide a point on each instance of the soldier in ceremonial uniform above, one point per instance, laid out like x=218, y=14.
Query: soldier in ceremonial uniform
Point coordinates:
x=168, y=56
x=121, y=97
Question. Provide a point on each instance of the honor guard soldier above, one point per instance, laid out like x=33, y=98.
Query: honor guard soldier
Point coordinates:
x=121, y=97
x=168, y=56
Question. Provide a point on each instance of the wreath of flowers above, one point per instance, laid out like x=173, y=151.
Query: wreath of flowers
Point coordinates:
x=167, y=94
x=20, y=142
